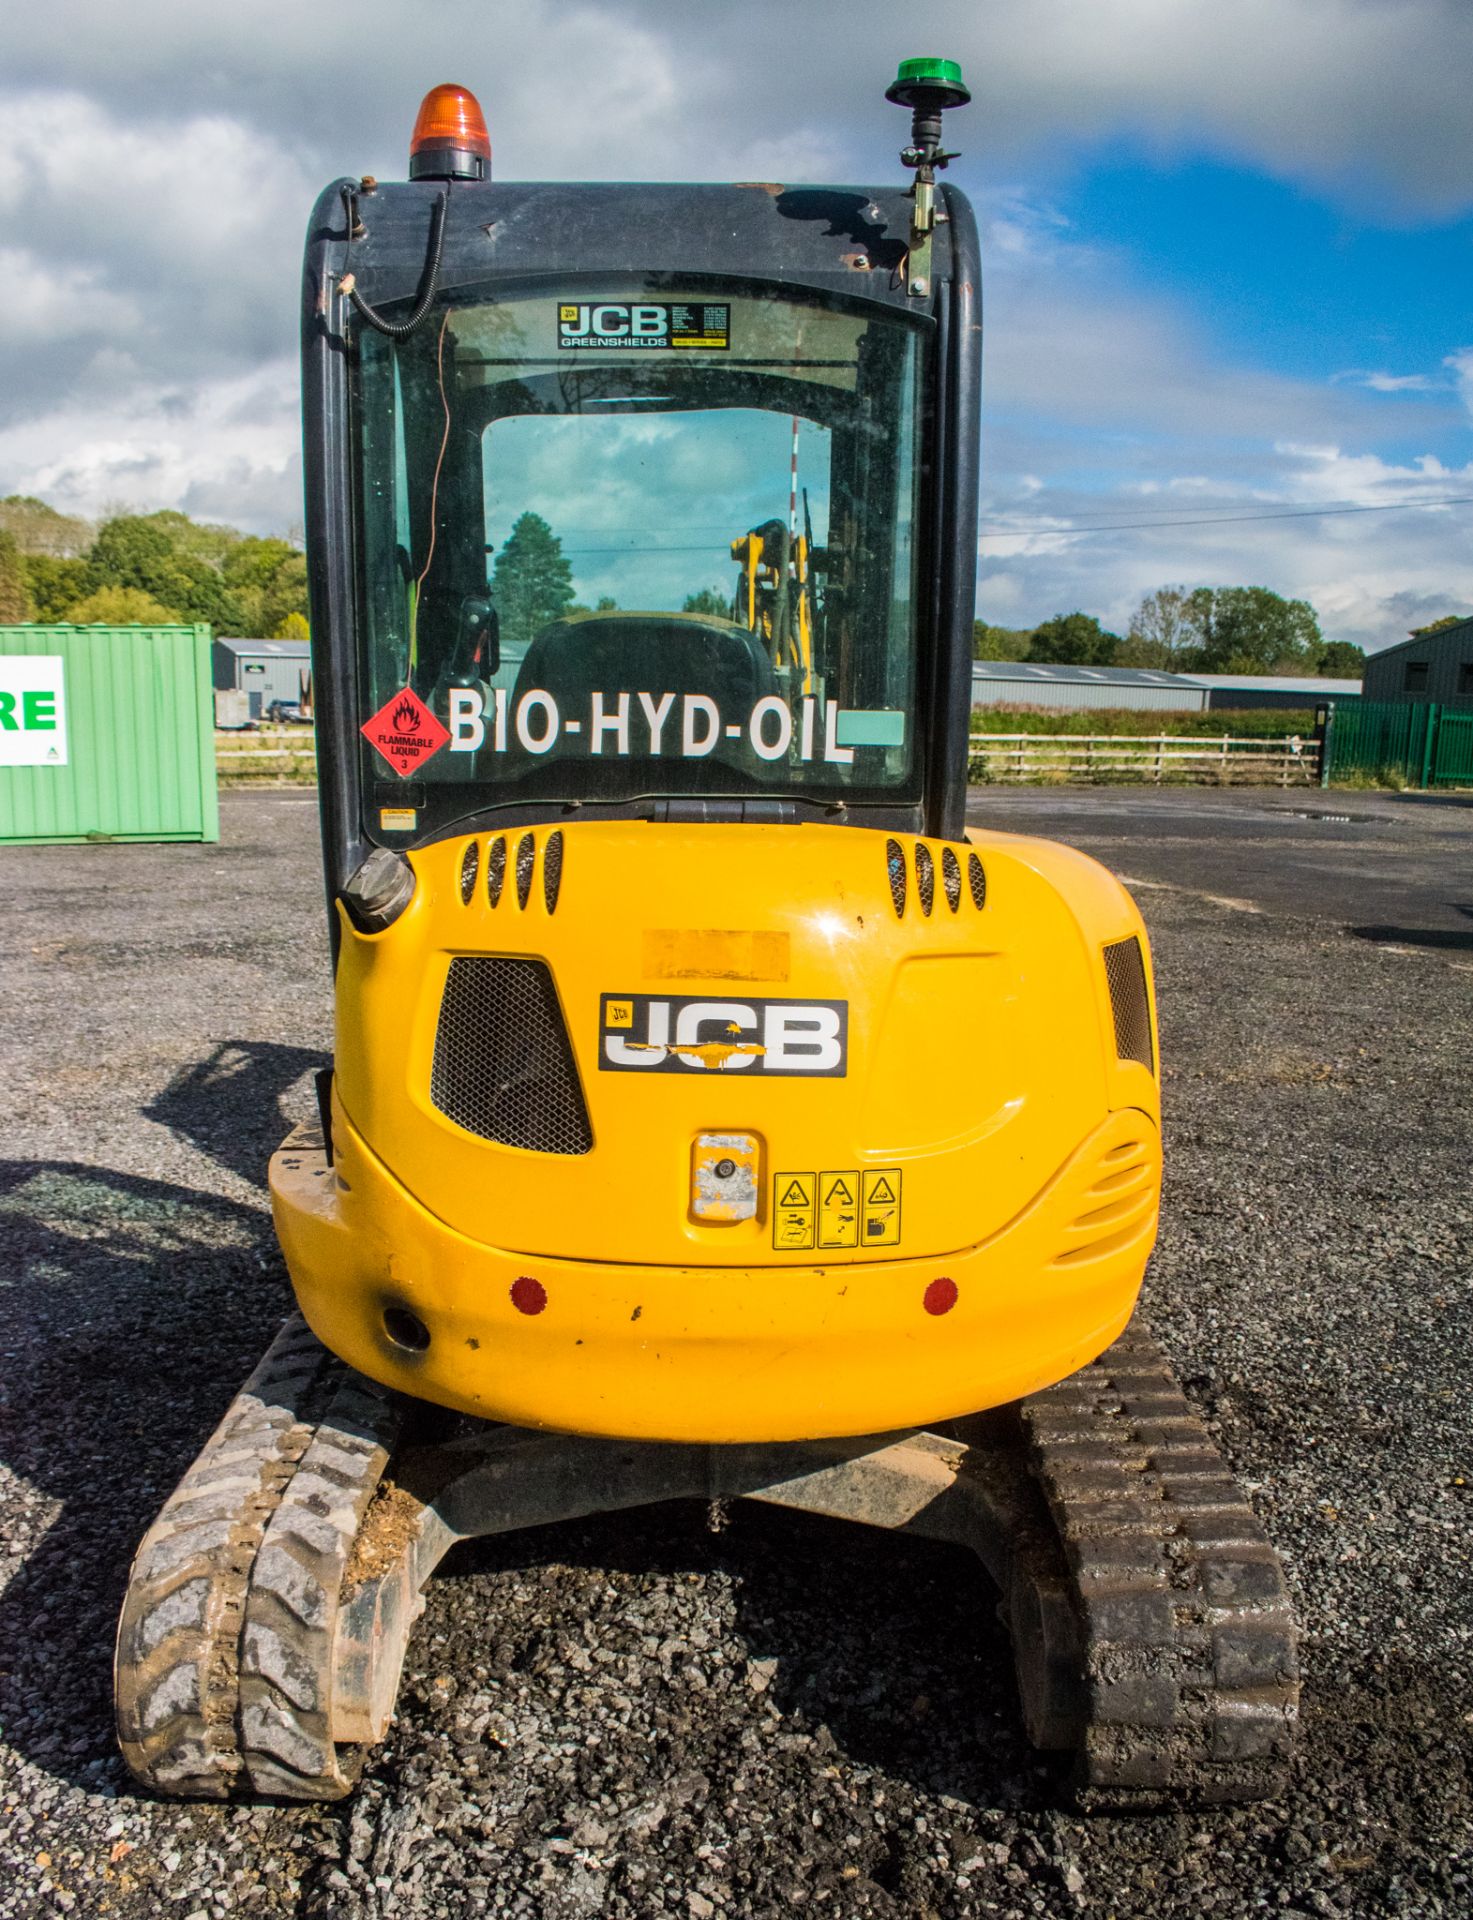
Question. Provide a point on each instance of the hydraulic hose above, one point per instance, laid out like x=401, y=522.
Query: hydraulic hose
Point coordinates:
x=429, y=280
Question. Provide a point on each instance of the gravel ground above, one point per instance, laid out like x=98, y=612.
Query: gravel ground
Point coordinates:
x=635, y=1716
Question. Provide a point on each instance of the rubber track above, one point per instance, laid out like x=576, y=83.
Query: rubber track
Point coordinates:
x=1190, y=1666
x=223, y=1665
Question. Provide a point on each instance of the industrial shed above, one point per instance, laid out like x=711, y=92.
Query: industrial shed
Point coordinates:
x=1027, y=683
x=264, y=670
x=1248, y=690
x=1430, y=666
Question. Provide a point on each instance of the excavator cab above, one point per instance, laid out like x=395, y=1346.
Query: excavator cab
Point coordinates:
x=712, y=1114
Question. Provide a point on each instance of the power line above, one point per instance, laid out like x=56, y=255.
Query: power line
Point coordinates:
x=1227, y=520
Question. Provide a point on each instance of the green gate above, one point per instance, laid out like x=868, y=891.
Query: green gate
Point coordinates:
x=1452, y=752
x=1420, y=742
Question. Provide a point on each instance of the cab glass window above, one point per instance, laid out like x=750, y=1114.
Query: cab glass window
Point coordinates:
x=640, y=544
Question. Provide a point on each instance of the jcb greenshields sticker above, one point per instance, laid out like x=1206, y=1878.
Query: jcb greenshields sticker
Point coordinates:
x=644, y=325
x=32, y=710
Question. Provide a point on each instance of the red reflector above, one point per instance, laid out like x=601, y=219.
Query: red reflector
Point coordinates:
x=528, y=1295
x=940, y=1296
x=451, y=117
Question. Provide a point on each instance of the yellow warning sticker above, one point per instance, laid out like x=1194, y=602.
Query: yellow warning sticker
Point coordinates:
x=397, y=819
x=838, y=1209
x=619, y=1013
x=792, y=1211
x=880, y=1208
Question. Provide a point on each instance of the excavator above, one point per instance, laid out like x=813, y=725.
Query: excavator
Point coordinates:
x=713, y=1115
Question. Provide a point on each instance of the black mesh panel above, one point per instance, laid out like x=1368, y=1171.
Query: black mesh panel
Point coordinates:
x=977, y=881
x=503, y=1066
x=526, y=860
x=1125, y=970
x=495, y=870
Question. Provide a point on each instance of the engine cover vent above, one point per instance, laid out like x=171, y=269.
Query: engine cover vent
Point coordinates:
x=503, y=1065
x=1125, y=971
x=895, y=868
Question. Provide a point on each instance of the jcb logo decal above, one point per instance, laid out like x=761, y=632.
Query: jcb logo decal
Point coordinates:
x=617, y=324
x=640, y=1034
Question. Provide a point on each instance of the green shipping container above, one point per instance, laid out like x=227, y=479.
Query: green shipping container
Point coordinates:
x=107, y=733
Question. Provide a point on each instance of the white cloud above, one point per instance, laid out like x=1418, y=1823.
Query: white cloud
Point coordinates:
x=1389, y=382
x=1461, y=365
x=225, y=450
x=159, y=163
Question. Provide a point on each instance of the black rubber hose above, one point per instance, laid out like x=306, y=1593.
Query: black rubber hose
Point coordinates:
x=429, y=280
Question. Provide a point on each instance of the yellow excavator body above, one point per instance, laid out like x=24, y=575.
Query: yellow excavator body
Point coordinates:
x=960, y=1213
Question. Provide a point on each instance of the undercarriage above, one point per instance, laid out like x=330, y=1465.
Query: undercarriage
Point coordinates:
x=272, y=1601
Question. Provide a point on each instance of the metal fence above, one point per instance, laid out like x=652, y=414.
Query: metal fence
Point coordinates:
x=284, y=755
x=289, y=755
x=1421, y=743
x=1214, y=760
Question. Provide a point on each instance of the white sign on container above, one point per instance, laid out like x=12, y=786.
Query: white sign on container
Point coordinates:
x=32, y=710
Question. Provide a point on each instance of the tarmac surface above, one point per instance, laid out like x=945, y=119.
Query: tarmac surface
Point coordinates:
x=635, y=1716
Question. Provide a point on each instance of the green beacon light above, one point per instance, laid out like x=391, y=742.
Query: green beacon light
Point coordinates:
x=928, y=86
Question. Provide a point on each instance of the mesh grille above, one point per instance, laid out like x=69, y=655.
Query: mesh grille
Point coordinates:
x=951, y=878
x=526, y=860
x=503, y=1066
x=895, y=866
x=552, y=869
x=495, y=871
x=977, y=881
x=470, y=860
x=1126, y=972
x=925, y=878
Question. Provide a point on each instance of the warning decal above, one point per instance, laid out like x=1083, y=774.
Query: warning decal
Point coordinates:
x=792, y=1211
x=844, y=1208
x=405, y=732
x=880, y=1214
x=838, y=1209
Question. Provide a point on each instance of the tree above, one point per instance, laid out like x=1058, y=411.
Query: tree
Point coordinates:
x=147, y=551
x=1073, y=639
x=531, y=583
x=1254, y=630
x=999, y=643
x=55, y=583
x=38, y=528
x=708, y=600
x=16, y=605
x=268, y=581
x=1163, y=632
x=121, y=607
x=1436, y=626
x=1342, y=660
x=294, y=627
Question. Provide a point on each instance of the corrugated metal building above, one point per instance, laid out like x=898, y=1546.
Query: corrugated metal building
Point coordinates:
x=265, y=670
x=1244, y=690
x=1027, y=683
x=1430, y=666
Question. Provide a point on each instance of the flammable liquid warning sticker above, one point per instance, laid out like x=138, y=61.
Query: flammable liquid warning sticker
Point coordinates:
x=644, y=325
x=405, y=732
x=792, y=1211
x=834, y=1210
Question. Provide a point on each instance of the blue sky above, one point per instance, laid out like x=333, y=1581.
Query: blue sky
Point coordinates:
x=1228, y=264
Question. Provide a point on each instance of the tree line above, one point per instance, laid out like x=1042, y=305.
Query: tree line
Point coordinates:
x=1186, y=630
x=147, y=569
